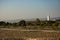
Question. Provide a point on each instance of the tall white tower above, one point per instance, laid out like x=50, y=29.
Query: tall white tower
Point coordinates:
x=48, y=18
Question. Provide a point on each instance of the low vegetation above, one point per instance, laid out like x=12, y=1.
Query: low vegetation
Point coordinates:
x=36, y=24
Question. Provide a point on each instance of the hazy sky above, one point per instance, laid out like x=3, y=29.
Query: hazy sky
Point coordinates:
x=17, y=9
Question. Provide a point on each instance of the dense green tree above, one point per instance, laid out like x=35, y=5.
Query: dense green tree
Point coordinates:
x=55, y=24
x=7, y=23
x=22, y=23
x=2, y=23
x=37, y=21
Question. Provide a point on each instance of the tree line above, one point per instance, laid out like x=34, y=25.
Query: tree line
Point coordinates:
x=36, y=23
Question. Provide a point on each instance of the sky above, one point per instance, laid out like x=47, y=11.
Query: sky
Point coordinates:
x=21, y=9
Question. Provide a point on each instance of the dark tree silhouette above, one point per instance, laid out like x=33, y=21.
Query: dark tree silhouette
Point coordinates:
x=22, y=23
x=2, y=23
x=37, y=21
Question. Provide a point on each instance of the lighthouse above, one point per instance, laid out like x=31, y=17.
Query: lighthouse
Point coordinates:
x=48, y=18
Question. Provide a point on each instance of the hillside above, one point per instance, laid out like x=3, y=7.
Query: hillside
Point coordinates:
x=30, y=19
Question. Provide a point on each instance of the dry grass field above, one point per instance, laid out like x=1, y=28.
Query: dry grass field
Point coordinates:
x=25, y=34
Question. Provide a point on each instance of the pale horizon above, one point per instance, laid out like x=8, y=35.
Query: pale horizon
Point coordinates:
x=21, y=9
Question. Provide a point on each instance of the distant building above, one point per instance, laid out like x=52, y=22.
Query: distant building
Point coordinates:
x=48, y=18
